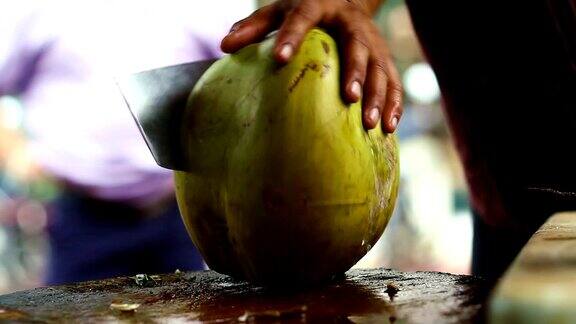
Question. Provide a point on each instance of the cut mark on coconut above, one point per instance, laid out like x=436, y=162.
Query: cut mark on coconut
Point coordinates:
x=325, y=47
x=310, y=66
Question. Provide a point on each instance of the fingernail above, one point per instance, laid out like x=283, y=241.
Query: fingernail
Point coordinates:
x=286, y=52
x=356, y=89
x=394, y=122
x=374, y=115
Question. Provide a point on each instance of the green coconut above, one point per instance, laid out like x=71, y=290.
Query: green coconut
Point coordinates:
x=285, y=185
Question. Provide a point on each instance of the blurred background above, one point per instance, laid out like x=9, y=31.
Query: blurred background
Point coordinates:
x=430, y=230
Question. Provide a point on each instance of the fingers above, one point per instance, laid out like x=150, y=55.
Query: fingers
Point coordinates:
x=356, y=54
x=382, y=100
x=383, y=96
x=368, y=72
x=393, y=109
x=297, y=23
x=374, y=93
x=251, y=29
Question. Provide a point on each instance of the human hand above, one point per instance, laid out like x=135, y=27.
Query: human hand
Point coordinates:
x=368, y=70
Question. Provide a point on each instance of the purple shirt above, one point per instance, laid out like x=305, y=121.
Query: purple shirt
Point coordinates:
x=62, y=57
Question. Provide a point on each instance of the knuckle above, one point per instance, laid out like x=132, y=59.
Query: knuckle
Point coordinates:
x=396, y=89
x=304, y=12
x=356, y=71
x=359, y=7
x=359, y=38
x=353, y=7
x=355, y=75
x=356, y=62
x=240, y=23
x=396, y=103
x=379, y=95
x=290, y=33
x=380, y=65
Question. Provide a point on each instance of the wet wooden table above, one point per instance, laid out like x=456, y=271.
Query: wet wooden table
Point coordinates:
x=365, y=296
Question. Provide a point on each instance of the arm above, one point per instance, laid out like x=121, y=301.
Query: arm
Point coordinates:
x=368, y=70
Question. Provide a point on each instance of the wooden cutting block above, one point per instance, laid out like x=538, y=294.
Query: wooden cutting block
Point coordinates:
x=540, y=286
x=365, y=296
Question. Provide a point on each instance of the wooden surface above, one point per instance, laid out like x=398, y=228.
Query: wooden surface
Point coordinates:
x=365, y=296
x=540, y=287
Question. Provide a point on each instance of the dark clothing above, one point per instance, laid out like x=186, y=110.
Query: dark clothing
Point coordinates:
x=507, y=72
x=91, y=239
x=494, y=248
